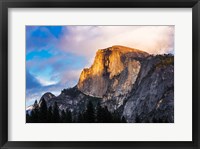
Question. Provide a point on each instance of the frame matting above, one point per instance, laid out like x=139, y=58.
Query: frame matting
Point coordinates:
x=5, y=4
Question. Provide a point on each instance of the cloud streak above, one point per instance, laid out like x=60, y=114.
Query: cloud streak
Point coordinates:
x=31, y=81
x=85, y=40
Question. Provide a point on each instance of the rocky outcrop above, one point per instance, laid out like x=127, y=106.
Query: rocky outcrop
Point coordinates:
x=73, y=100
x=47, y=96
x=112, y=74
x=152, y=98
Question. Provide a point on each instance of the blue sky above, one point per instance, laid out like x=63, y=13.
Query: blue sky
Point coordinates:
x=47, y=64
x=56, y=55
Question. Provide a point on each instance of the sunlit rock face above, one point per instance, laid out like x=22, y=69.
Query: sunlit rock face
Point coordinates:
x=112, y=74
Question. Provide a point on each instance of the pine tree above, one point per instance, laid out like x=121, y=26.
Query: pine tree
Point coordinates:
x=80, y=118
x=28, y=118
x=35, y=105
x=116, y=117
x=49, y=115
x=43, y=111
x=89, y=113
x=137, y=119
x=56, y=115
x=63, y=116
x=123, y=120
x=154, y=120
x=34, y=113
x=160, y=120
x=107, y=115
x=99, y=113
x=68, y=116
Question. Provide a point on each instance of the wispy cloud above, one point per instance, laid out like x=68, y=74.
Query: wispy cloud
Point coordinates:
x=31, y=81
x=36, y=93
x=70, y=77
x=85, y=40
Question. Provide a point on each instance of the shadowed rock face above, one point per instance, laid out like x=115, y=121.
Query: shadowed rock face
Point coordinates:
x=72, y=99
x=113, y=72
x=152, y=98
x=47, y=96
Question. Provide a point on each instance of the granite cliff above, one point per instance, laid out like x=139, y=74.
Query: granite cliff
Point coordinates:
x=112, y=75
x=152, y=97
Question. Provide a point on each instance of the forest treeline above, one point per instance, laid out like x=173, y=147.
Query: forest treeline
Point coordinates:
x=92, y=114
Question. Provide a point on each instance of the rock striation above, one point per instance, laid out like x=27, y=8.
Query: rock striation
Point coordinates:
x=112, y=75
x=152, y=97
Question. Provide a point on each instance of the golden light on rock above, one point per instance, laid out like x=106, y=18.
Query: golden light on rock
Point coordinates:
x=111, y=65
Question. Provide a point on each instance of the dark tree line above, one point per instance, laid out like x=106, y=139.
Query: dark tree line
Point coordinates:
x=99, y=114
x=154, y=120
x=92, y=114
x=42, y=114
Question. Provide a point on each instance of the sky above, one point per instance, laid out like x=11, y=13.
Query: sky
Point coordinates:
x=56, y=55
